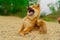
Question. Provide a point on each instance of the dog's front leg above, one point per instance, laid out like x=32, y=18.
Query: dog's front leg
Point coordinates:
x=21, y=29
x=24, y=30
x=27, y=30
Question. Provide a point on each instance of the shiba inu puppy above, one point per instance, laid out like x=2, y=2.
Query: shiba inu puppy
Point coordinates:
x=32, y=20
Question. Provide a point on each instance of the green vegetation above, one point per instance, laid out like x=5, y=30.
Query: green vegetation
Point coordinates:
x=55, y=14
x=19, y=8
x=49, y=19
x=32, y=2
x=43, y=14
x=13, y=7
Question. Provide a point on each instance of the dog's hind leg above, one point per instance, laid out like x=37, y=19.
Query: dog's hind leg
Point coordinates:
x=42, y=25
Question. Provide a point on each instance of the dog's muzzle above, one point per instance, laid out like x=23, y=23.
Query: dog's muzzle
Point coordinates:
x=31, y=11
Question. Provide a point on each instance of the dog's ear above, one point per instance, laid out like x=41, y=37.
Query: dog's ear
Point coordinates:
x=38, y=5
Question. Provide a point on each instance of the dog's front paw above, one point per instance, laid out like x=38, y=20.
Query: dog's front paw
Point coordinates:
x=21, y=34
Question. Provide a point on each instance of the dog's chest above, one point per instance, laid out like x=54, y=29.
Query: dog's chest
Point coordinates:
x=29, y=23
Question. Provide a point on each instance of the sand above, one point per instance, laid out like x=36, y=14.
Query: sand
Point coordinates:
x=10, y=25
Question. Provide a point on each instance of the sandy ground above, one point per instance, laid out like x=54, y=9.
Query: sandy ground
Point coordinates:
x=9, y=27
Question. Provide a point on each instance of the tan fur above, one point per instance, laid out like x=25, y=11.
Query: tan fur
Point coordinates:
x=42, y=25
x=29, y=22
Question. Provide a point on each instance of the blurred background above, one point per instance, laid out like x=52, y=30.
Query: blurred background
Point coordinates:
x=50, y=9
x=13, y=7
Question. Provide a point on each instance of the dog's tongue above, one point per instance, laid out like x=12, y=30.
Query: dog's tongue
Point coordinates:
x=30, y=13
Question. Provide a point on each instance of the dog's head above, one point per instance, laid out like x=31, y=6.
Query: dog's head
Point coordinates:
x=33, y=10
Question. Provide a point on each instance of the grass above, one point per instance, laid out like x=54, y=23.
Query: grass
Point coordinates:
x=52, y=17
x=49, y=19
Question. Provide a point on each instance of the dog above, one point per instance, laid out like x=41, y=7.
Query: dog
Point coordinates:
x=31, y=20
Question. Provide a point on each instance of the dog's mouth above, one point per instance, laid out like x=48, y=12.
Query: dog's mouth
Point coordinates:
x=31, y=11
